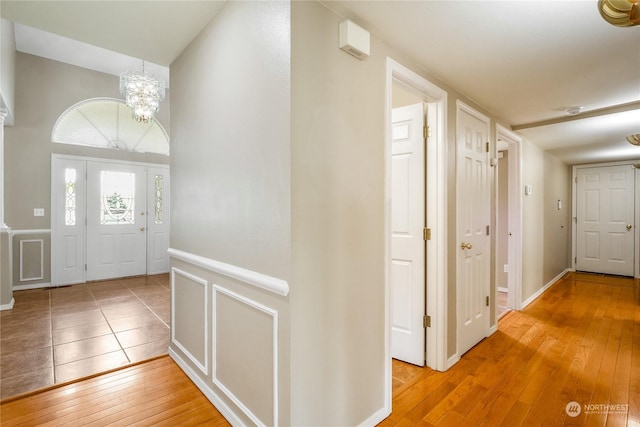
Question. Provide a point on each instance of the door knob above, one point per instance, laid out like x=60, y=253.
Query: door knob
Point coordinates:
x=629, y=226
x=141, y=228
x=466, y=245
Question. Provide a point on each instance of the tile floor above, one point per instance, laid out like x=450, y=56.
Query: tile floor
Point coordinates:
x=56, y=335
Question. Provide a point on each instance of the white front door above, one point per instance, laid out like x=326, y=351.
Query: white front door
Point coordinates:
x=473, y=246
x=116, y=220
x=605, y=219
x=407, y=243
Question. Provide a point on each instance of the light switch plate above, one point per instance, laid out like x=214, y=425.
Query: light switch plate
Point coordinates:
x=38, y=211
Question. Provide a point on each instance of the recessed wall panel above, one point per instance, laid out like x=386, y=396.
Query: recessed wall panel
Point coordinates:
x=245, y=354
x=189, y=319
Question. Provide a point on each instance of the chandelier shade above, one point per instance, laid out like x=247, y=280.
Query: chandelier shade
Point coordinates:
x=143, y=93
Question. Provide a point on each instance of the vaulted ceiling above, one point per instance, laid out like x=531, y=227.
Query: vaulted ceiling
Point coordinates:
x=525, y=61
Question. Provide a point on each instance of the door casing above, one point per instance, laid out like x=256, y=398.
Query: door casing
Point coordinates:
x=436, y=220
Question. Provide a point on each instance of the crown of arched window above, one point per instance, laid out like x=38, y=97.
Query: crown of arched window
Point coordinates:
x=108, y=123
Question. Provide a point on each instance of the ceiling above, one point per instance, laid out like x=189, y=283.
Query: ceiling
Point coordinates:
x=525, y=61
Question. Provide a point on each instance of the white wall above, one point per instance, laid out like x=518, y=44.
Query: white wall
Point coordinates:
x=7, y=69
x=230, y=207
x=546, y=230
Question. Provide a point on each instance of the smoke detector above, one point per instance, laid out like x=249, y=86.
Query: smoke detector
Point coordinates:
x=574, y=111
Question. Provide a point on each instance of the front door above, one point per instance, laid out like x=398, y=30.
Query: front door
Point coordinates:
x=473, y=244
x=605, y=219
x=407, y=243
x=116, y=220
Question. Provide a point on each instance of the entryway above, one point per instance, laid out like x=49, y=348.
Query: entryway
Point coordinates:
x=109, y=219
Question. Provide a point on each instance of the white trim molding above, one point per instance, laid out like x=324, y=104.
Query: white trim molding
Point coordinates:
x=34, y=231
x=544, y=288
x=22, y=274
x=202, y=365
x=263, y=281
x=8, y=306
x=274, y=315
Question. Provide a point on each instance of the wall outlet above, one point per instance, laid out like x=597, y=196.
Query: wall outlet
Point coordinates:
x=38, y=212
x=506, y=268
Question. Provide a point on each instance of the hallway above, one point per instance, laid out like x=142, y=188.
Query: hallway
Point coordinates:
x=578, y=342
x=55, y=335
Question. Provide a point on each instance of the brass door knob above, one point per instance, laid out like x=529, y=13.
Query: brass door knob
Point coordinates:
x=629, y=226
x=464, y=245
x=141, y=228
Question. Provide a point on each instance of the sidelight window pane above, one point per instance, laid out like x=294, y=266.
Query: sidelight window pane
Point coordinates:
x=70, y=197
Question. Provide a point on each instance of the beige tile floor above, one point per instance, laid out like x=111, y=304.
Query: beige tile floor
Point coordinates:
x=55, y=335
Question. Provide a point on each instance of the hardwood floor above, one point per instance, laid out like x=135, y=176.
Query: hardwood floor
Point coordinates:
x=579, y=342
x=154, y=393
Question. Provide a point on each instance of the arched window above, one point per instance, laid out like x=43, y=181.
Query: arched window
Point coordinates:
x=108, y=123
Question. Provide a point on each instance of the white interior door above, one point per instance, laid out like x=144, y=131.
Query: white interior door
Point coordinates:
x=116, y=220
x=407, y=242
x=605, y=219
x=158, y=186
x=473, y=244
x=67, y=220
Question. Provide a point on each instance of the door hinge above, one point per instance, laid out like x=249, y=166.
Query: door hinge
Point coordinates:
x=426, y=132
x=426, y=322
x=487, y=301
x=575, y=260
x=85, y=267
x=487, y=145
x=488, y=230
x=426, y=233
x=576, y=179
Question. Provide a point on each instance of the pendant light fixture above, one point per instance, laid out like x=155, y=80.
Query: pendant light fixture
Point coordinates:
x=143, y=93
x=621, y=13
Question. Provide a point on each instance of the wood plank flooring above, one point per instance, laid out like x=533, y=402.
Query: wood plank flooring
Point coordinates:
x=155, y=393
x=579, y=342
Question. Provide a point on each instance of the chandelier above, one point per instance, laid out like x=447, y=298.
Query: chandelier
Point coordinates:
x=143, y=93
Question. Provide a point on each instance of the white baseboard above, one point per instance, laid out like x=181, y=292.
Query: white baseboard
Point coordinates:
x=452, y=361
x=224, y=409
x=376, y=417
x=543, y=289
x=25, y=287
x=8, y=306
x=493, y=330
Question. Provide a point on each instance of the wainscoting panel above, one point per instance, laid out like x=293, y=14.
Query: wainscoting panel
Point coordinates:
x=245, y=351
x=31, y=259
x=230, y=334
x=189, y=307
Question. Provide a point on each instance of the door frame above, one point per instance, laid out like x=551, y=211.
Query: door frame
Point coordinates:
x=574, y=207
x=515, y=214
x=55, y=216
x=436, y=218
